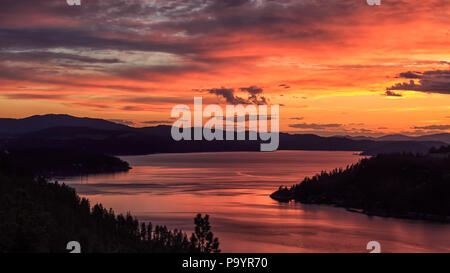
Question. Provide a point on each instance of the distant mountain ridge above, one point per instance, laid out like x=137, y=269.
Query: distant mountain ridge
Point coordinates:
x=97, y=135
x=10, y=126
x=442, y=137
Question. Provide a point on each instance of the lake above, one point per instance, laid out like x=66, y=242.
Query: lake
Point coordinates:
x=234, y=187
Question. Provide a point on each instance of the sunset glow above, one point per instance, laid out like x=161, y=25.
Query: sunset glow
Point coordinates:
x=334, y=67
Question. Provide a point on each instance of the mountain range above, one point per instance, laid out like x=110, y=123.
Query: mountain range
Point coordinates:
x=9, y=126
x=442, y=137
x=98, y=135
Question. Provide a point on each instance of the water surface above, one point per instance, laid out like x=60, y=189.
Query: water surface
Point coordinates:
x=233, y=188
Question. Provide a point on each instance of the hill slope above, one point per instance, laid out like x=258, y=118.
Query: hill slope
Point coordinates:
x=38, y=216
x=401, y=185
x=10, y=126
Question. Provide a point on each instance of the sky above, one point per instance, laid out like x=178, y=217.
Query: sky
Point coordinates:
x=335, y=67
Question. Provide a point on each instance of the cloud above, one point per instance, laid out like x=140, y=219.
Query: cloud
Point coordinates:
x=156, y=99
x=255, y=96
x=411, y=75
x=248, y=117
x=315, y=126
x=390, y=93
x=122, y=121
x=28, y=96
x=362, y=130
x=56, y=37
x=176, y=45
x=228, y=94
x=298, y=118
x=252, y=90
x=434, y=81
x=433, y=127
x=89, y=104
x=132, y=108
x=190, y=29
x=156, y=122
x=46, y=56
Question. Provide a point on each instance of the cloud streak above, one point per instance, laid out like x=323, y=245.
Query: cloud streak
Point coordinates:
x=433, y=127
x=315, y=126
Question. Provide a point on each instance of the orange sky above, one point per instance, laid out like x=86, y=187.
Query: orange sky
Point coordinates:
x=333, y=66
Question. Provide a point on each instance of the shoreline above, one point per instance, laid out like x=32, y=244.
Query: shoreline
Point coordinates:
x=407, y=216
x=355, y=152
x=410, y=186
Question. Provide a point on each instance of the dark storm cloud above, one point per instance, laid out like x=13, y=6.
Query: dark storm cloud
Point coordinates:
x=315, y=126
x=434, y=81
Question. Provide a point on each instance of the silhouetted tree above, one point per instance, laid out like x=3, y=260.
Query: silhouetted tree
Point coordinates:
x=202, y=239
x=143, y=232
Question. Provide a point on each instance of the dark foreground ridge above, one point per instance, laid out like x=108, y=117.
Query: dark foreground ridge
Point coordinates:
x=63, y=162
x=39, y=216
x=394, y=185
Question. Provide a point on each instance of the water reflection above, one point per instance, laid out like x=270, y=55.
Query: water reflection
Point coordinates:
x=234, y=187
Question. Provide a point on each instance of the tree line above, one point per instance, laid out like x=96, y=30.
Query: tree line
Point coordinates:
x=404, y=185
x=41, y=216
